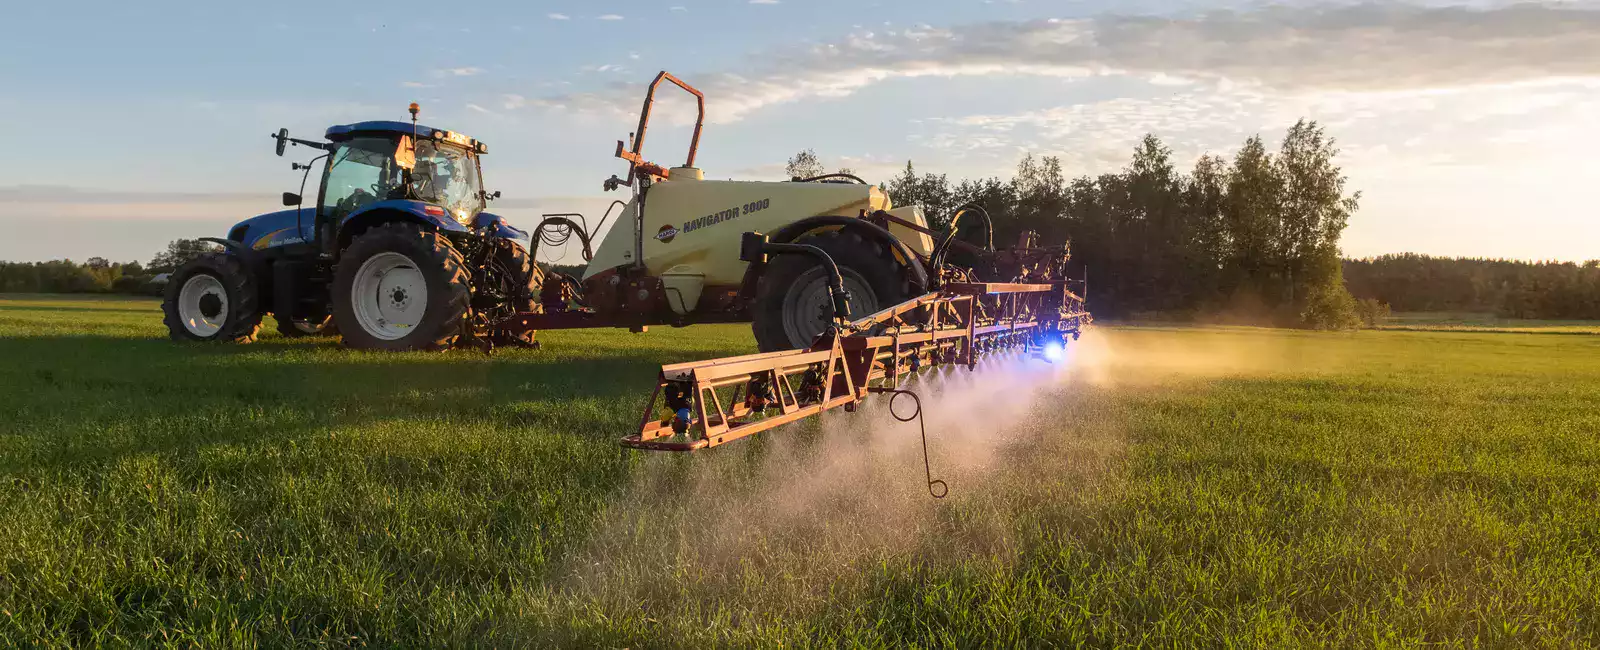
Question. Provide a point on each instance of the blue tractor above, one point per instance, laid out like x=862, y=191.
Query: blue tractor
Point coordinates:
x=396, y=252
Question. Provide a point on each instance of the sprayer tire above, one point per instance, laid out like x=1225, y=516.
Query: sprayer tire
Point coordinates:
x=526, y=280
x=234, y=300
x=874, y=277
x=442, y=271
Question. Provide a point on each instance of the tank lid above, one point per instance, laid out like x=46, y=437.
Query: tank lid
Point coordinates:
x=686, y=174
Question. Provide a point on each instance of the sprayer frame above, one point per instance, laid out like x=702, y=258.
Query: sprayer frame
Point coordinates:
x=954, y=325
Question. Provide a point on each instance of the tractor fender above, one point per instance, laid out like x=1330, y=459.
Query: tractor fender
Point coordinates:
x=396, y=210
x=253, y=259
x=254, y=262
x=500, y=228
x=245, y=253
x=798, y=229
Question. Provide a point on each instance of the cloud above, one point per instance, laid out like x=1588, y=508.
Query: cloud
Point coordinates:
x=469, y=71
x=678, y=8
x=1381, y=132
x=479, y=109
x=413, y=84
x=764, y=2
x=610, y=17
x=558, y=17
x=1354, y=48
x=65, y=195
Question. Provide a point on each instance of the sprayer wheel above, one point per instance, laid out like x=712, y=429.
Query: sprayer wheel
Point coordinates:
x=792, y=306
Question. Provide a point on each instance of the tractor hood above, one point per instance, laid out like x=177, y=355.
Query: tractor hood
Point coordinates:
x=272, y=229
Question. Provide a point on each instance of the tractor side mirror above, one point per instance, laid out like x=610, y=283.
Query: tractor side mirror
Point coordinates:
x=291, y=199
x=283, y=140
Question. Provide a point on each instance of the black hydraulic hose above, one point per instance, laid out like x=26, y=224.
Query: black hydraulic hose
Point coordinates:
x=944, y=246
x=836, y=291
x=605, y=216
x=814, y=179
x=558, y=221
x=580, y=228
x=577, y=289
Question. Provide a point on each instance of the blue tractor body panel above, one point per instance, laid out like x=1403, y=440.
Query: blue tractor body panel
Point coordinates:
x=280, y=228
x=275, y=229
x=502, y=228
x=438, y=217
x=342, y=132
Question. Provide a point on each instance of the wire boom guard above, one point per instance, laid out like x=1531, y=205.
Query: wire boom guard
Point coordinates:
x=703, y=404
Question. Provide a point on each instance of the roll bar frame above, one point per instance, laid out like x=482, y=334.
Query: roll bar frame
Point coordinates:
x=637, y=165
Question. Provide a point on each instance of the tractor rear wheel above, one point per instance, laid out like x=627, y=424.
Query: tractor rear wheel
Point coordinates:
x=293, y=328
x=522, y=280
x=792, y=306
x=399, y=287
x=212, y=298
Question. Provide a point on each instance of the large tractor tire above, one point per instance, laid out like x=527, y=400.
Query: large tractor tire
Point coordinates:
x=524, y=280
x=294, y=328
x=212, y=298
x=792, y=305
x=400, y=287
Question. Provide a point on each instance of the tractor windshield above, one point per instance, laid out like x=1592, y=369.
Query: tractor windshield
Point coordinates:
x=364, y=170
x=447, y=175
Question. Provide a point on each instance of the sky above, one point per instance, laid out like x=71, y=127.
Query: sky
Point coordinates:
x=1469, y=127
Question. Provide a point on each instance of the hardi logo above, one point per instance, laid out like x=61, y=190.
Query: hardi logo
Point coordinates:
x=666, y=234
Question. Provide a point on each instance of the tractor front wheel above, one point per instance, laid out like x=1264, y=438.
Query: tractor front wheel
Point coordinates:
x=212, y=298
x=400, y=287
x=792, y=304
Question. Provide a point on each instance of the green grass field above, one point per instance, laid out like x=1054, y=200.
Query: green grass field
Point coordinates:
x=1170, y=487
x=1435, y=321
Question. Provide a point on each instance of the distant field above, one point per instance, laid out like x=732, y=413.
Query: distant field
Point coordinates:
x=1470, y=321
x=1169, y=486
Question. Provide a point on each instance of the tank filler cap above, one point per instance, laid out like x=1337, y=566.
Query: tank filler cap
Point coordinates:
x=686, y=174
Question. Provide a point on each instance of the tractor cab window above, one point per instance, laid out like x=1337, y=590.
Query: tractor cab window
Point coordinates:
x=447, y=176
x=362, y=171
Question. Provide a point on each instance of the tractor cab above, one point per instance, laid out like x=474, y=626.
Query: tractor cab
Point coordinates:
x=373, y=162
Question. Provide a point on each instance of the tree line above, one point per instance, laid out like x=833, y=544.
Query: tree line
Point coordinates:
x=1252, y=237
x=1511, y=289
x=98, y=274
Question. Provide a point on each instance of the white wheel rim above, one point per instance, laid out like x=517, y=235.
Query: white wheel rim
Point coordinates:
x=203, y=305
x=807, y=309
x=390, y=296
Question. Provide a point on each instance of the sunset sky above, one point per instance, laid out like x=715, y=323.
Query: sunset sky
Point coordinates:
x=1470, y=128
